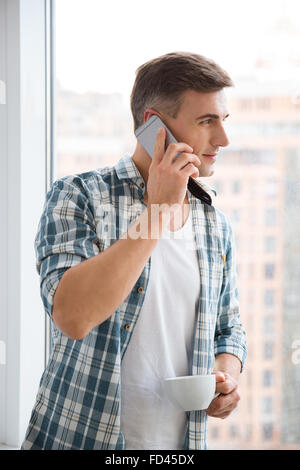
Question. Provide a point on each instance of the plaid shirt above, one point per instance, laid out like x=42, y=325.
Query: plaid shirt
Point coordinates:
x=78, y=401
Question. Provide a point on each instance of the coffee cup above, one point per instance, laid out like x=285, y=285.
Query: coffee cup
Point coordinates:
x=191, y=392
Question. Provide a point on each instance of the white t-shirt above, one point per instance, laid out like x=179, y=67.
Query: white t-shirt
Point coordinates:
x=161, y=345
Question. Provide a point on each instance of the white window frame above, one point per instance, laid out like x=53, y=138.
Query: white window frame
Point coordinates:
x=26, y=148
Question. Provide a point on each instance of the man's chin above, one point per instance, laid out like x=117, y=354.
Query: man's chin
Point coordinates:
x=206, y=172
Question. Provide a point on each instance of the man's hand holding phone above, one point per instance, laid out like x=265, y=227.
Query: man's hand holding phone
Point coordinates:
x=168, y=176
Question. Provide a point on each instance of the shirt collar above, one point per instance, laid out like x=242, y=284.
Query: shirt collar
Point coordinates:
x=206, y=186
x=126, y=169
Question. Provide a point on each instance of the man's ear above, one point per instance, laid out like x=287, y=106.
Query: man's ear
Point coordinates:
x=150, y=112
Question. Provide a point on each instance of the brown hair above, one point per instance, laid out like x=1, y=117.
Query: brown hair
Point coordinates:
x=160, y=82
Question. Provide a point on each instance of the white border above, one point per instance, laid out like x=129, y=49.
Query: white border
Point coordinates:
x=22, y=184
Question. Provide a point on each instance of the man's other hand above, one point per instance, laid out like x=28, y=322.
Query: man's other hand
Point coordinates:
x=227, y=401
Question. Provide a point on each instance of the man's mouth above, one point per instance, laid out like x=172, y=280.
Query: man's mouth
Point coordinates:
x=212, y=156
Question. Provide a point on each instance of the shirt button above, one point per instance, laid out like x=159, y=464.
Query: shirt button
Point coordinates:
x=142, y=185
x=140, y=290
x=127, y=326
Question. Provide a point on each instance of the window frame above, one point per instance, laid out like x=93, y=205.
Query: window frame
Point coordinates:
x=26, y=147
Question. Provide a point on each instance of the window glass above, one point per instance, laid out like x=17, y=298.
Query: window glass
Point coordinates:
x=99, y=46
x=270, y=244
x=268, y=377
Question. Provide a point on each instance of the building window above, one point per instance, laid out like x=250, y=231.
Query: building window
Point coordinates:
x=233, y=431
x=268, y=378
x=236, y=186
x=263, y=103
x=269, y=270
x=250, y=404
x=214, y=432
x=250, y=302
x=245, y=104
x=235, y=216
x=252, y=217
x=218, y=186
x=269, y=244
x=238, y=243
x=251, y=269
x=267, y=405
x=269, y=296
x=267, y=431
x=269, y=325
x=270, y=216
x=268, y=350
x=271, y=188
x=248, y=432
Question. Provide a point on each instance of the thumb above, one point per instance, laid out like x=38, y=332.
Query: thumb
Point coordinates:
x=220, y=376
x=159, y=148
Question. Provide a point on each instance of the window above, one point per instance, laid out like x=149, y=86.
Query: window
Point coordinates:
x=214, y=432
x=269, y=296
x=23, y=163
x=235, y=216
x=270, y=245
x=271, y=188
x=250, y=405
x=218, y=186
x=256, y=177
x=268, y=350
x=267, y=405
x=267, y=431
x=268, y=325
x=236, y=186
x=248, y=434
x=233, y=431
x=269, y=270
x=263, y=103
x=270, y=216
x=253, y=215
x=268, y=378
x=251, y=270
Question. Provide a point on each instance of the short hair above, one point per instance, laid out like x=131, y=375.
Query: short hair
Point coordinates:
x=161, y=82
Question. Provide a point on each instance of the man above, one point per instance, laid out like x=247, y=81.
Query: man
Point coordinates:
x=134, y=305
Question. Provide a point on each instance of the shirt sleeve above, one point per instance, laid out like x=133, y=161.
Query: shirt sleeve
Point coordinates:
x=230, y=335
x=66, y=234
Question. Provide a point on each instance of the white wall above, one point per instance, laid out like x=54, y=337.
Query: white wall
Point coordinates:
x=22, y=193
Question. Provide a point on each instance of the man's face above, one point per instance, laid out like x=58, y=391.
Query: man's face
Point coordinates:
x=199, y=123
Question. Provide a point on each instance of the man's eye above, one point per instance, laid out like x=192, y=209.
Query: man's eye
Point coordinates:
x=207, y=121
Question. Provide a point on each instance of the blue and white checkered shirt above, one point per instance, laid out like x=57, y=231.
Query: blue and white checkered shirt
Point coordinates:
x=78, y=401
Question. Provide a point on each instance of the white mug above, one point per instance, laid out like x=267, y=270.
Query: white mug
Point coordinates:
x=192, y=392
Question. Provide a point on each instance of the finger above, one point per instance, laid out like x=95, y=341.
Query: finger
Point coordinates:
x=159, y=148
x=221, y=413
x=224, y=402
x=190, y=170
x=220, y=376
x=184, y=159
x=173, y=149
x=228, y=386
x=222, y=405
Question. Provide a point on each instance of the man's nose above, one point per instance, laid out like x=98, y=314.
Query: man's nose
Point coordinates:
x=220, y=138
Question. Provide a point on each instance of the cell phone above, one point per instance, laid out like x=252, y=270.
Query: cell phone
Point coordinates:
x=146, y=135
